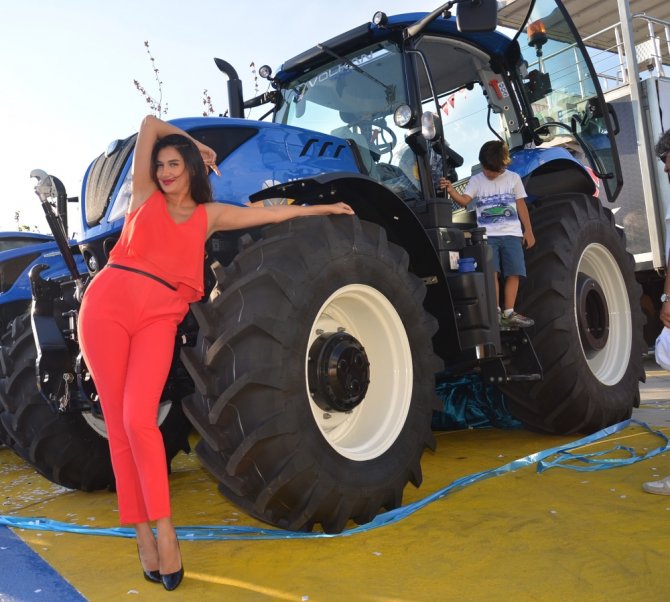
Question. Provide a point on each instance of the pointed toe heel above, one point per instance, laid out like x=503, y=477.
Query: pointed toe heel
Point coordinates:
x=153, y=576
x=172, y=580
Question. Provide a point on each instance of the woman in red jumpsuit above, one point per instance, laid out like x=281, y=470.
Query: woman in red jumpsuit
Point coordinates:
x=130, y=312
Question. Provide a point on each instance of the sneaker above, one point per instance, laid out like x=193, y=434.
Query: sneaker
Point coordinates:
x=661, y=487
x=516, y=320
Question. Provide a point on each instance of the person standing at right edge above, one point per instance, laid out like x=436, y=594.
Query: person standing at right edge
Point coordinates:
x=662, y=150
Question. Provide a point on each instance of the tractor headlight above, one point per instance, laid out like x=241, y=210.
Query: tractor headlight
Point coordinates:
x=380, y=19
x=122, y=200
x=428, y=127
x=403, y=116
x=92, y=263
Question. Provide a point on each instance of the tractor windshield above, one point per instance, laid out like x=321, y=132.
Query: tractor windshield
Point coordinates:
x=354, y=97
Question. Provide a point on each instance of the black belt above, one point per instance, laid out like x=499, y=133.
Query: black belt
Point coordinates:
x=143, y=273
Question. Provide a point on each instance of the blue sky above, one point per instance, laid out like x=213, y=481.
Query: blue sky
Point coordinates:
x=67, y=71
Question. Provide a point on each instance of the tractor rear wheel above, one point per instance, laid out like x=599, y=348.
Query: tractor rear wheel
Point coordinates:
x=314, y=374
x=588, y=333
x=70, y=448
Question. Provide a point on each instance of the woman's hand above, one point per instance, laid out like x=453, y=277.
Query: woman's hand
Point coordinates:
x=335, y=209
x=222, y=216
x=208, y=156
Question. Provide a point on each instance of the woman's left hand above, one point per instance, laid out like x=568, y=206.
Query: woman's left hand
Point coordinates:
x=209, y=157
x=337, y=209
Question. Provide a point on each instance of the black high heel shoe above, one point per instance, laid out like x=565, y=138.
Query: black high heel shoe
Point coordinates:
x=153, y=576
x=172, y=580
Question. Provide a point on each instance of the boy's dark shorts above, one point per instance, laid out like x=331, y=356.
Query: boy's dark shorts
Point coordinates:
x=508, y=255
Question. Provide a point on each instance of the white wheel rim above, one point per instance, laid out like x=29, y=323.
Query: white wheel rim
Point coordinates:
x=368, y=430
x=609, y=363
x=99, y=426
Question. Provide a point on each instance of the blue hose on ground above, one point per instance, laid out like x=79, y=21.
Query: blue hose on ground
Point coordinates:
x=563, y=458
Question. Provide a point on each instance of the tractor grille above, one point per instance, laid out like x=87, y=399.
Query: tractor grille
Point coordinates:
x=102, y=179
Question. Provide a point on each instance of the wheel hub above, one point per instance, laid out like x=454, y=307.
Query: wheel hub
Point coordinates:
x=338, y=372
x=592, y=313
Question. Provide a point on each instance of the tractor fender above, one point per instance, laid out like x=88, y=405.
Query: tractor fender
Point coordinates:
x=375, y=203
x=551, y=171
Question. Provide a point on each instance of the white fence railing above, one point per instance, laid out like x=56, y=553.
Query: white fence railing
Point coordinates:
x=652, y=49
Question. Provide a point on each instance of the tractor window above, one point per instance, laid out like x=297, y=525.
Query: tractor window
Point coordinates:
x=465, y=121
x=450, y=75
x=563, y=93
x=354, y=98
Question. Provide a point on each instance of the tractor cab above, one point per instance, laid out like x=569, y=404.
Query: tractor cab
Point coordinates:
x=416, y=96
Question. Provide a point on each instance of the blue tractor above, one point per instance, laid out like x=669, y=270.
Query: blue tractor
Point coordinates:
x=309, y=367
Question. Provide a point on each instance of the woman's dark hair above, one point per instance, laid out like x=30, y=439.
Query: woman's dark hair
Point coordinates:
x=494, y=155
x=201, y=190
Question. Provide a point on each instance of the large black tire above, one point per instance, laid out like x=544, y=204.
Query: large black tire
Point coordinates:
x=582, y=293
x=69, y=449
x=275, y=451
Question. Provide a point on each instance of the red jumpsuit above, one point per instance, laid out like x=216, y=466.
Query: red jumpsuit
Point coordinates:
x=127, y=329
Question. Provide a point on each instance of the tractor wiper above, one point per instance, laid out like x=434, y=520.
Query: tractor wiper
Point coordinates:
x=390, y=90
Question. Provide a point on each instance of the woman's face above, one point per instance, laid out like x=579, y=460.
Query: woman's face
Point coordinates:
x=171, y=172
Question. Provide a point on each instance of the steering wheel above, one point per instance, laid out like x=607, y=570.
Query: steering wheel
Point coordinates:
x=375, y=133
x=385, y=146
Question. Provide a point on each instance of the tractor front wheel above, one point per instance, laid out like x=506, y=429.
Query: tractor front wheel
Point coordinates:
x=314, y=374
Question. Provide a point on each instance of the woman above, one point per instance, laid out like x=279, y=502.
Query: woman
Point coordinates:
x=130, y=312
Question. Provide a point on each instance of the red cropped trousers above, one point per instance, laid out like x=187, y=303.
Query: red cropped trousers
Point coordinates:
x=127, y=328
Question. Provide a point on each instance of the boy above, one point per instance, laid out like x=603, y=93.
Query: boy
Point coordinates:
x=502, y=210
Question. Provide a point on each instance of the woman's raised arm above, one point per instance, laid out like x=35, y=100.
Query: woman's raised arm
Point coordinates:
x=151, y=130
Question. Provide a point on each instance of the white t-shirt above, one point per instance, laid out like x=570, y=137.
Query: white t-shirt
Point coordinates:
x=495, y=201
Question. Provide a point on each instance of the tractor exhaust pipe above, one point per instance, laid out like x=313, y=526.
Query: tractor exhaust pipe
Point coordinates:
x=235, y=98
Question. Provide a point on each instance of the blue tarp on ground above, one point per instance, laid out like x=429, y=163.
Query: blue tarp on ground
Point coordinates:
x=25, y=576
x=469, y=403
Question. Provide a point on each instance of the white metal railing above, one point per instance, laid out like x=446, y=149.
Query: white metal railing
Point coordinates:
x=652, y=50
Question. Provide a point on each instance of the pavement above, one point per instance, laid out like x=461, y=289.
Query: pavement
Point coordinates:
x=558, y=535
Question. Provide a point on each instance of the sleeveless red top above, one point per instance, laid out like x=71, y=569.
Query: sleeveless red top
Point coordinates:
x=152, y=241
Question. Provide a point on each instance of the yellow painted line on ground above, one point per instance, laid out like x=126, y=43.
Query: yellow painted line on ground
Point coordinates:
x=243, y=585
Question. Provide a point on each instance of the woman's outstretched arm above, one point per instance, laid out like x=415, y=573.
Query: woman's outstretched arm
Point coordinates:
x=229, y=217
x=153, y=129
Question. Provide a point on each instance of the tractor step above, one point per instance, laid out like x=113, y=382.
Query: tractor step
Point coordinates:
x=523, y=377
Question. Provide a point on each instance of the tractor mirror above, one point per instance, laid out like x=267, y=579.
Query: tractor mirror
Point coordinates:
x=477, y=15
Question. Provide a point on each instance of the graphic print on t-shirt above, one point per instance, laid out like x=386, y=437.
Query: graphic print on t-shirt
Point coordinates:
x=495, y=201
x=496, y=210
